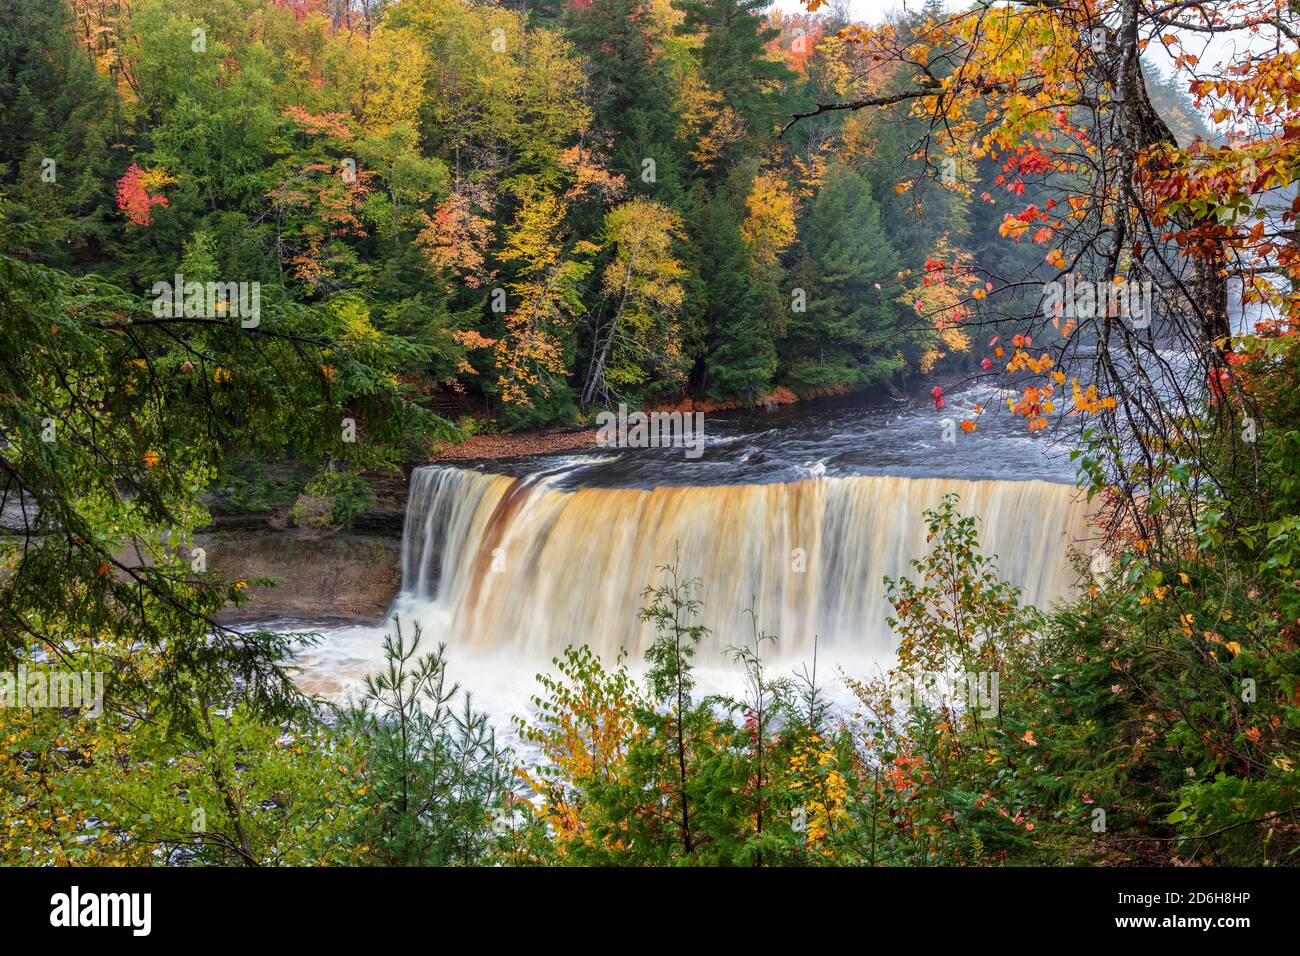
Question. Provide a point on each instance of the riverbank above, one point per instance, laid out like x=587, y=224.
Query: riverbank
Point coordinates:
x=548, y=440
x=517, y=445
x=334, y=577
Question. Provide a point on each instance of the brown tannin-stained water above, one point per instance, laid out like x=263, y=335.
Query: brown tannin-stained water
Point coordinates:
x=798, y=514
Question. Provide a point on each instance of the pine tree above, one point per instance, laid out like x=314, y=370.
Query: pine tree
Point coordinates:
x=630, y=94
x=672, y=609
x=59, y=116
x=734, y=58
x=741, y=356
x=846, y=335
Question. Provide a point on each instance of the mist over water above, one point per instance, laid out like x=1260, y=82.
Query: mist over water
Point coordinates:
x=798, y=514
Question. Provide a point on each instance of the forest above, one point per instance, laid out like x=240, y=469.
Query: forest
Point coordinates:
x=352, y=234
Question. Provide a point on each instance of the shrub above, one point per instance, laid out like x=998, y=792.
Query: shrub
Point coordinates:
x=440, y=785
x=310, y=511
x=332, y=499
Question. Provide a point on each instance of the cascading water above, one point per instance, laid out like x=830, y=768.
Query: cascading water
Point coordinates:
x=509, y=568
x=526, y=568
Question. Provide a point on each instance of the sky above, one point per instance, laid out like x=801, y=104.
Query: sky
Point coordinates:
x=1218, y=48
x=872, y=11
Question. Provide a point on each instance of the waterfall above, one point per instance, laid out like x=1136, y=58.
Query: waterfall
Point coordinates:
x=525, y=568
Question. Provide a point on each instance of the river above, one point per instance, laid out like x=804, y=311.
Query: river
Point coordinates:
x=797, y=513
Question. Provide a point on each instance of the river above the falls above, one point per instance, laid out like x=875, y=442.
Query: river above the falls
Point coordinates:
x=828, y=437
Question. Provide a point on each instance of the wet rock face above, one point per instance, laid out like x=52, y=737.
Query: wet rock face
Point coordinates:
x=323, y=577
x=386, y=515
x=329, y=576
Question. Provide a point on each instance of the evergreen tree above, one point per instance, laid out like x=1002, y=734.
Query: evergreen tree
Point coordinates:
x=441, y=780
x=741, y=357
x=630, y=94
x=845, y=337
x=734, y=57
x=59, y=118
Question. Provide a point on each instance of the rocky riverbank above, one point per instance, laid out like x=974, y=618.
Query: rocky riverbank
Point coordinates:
x=518, y=445
x=323, y=575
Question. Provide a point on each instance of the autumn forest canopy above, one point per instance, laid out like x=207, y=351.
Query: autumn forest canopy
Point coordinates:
x=352, y=234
